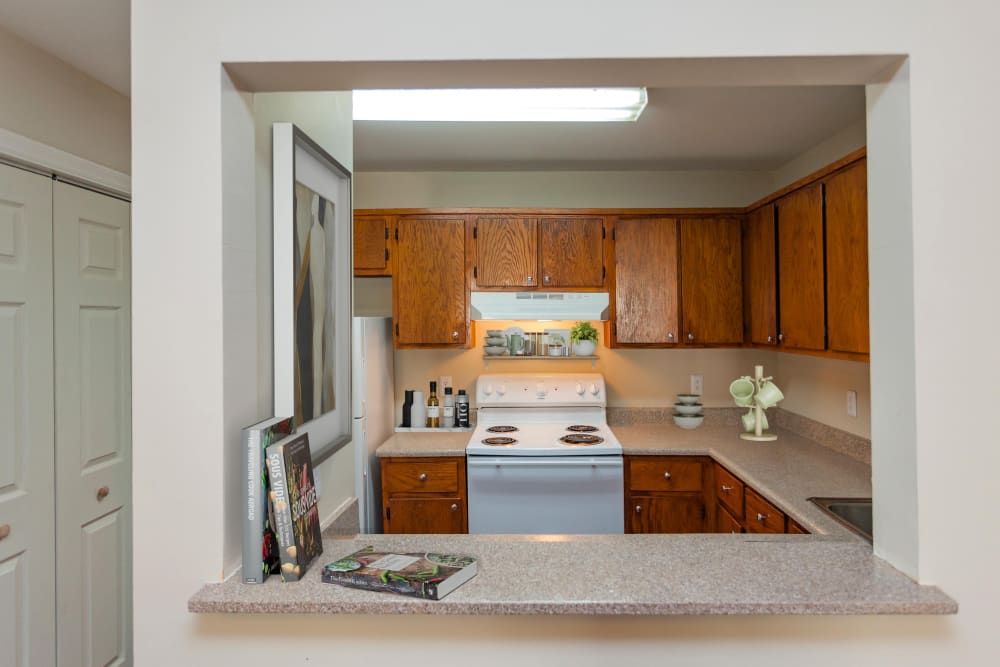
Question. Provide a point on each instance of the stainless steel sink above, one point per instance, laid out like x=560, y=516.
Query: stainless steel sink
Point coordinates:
x=853, y=513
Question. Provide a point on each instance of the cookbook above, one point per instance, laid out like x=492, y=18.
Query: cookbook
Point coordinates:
x=425, y=575
x=296, y=510
x=260, y=545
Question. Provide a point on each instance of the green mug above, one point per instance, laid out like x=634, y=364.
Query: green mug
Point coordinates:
x=768, y=395
x=742, y=391
x=515, y=343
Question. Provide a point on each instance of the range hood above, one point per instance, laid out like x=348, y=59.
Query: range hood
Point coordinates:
x=540, y=305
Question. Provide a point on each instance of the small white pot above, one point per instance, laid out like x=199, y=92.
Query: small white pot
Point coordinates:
x=584, y=348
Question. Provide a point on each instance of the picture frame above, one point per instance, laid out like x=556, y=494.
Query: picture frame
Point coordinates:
x=312, y=212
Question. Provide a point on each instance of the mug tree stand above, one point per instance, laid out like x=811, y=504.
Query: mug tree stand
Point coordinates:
x=758, y=434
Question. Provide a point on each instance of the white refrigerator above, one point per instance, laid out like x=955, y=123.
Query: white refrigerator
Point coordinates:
x=373, y=411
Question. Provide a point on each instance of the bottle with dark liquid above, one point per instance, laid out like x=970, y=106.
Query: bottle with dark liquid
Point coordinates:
x=433, y=409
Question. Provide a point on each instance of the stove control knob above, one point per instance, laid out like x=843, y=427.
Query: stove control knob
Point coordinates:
x=579, y=389
x=502, y=389
x=488, y=390
x=540, y=390
x=593, y=389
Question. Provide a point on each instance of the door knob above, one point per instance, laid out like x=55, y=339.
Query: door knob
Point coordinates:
x=423, y=477
x=638, y=509
x=454, y=507
x=529, y=279
x=454, y=335
x=761, y=517
x=103, y=492
x=726, y=489
x=690, y=336
x=666, y=475
x=547, y=279
x=770, y=339
x=670, y=335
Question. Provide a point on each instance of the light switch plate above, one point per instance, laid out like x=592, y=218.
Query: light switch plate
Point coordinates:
x=852, y=403
x=697, y=384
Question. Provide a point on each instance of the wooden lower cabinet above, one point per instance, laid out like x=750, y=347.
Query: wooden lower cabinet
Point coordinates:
x=424, y=495
x=762, y=516
x=668, y=494
x=726, y=522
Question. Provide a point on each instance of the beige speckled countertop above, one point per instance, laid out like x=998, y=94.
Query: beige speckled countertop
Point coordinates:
x=829, y=572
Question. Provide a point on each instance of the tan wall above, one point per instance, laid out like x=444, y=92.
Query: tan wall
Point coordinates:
x=49, y=101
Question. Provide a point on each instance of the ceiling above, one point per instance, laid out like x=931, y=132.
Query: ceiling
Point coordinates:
x=686, y=126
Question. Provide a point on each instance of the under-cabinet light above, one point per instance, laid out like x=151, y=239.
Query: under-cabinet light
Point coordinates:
x=501, y=104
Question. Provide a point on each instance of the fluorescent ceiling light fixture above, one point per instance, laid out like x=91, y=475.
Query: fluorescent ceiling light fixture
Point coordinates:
x=501, y=104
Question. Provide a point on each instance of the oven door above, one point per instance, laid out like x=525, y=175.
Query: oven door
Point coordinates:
x=546, y=494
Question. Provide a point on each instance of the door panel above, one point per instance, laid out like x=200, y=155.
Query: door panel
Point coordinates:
x=677, y=513
x=646, y=285
x=801, y=293
x=847, y=259
x=370, y=244
x=760, y=276
x=571, y=252
x=712, y=281
x=93, y=426
x=506, y=252
x=27, y=501
x=426, y=515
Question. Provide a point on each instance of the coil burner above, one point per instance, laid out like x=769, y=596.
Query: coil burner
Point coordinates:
x=501, y=429
x=499, y=442
x=581, y=428
x=581, y=439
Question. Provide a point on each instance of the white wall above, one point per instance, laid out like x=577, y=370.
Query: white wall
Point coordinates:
x=178, y=332
x=48, y=100
x=838, y=145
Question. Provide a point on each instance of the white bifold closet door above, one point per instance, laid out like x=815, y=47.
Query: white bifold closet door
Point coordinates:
x=93, y=427
x=27, y=545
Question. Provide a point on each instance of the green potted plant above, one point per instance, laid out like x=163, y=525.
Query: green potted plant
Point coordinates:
x=583, y=336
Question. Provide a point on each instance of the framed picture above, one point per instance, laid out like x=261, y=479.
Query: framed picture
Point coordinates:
x=312, y=290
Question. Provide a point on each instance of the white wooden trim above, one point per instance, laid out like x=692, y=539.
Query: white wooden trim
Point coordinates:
x=283, y=194
x=47, y=158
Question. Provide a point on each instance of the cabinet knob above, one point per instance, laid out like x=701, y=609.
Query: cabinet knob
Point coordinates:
x=781, y=336
x=454, y=507
x=690, y=336
x=422, y=477
x=726, y=489
x=761, y=517
x=4, y=531
x=666, y=475
x=547, y=279
x=103, y=492
x=454, y=335
x=770, y=339
x=529, y=279
x=638, y=509
x=670, y=335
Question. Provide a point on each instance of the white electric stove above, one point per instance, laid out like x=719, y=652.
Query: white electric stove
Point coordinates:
x=542, y=459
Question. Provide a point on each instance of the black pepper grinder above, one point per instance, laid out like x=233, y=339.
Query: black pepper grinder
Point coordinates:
x=407, y=404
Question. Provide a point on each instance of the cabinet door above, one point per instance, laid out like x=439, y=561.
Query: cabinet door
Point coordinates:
x=27, y=496
x=571, y=252
x=430, y=292
x=646, y=286
x=725, y=522
x=506, y=252
x=847, y=259
x=674, y=513
x=801, y=292
x=760, y=276
x=762, y=516
x=371, y=245
x=425, y=515
x=712, y=280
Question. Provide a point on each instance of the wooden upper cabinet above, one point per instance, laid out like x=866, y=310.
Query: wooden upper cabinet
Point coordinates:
x=506, y=252
x=371, y=245
x=571, y=252
x=847, y=259
x=430, y=282
x=712, y=281
x=760, y=279
x=646, y=281
x=801, y=291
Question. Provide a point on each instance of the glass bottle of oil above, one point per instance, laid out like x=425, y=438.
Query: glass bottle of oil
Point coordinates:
x=433, y=409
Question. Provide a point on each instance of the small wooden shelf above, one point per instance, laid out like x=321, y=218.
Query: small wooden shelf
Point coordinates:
x=537, y=357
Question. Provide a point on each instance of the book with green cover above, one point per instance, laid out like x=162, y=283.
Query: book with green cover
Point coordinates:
x=260, y=545
x=425, y=575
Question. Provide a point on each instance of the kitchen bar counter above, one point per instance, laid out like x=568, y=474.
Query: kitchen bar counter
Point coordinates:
x=610, y=574
x=422, y=443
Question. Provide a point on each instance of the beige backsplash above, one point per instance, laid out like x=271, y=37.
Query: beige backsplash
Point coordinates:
x=813, y=387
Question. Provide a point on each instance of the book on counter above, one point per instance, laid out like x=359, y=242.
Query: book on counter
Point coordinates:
x=260, y=545
x=296, y=512
x=424, y=575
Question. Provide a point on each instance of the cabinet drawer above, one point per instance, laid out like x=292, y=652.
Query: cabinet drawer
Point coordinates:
x=665, y=473
x=729, y=491
x=725, y=522
x=421, y=475
x=795, y=529
x=762, y=516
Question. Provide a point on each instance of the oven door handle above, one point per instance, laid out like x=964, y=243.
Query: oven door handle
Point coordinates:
x=563, y=462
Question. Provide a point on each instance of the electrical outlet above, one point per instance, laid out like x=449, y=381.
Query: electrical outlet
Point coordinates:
x=852, y=403
x=697, y=384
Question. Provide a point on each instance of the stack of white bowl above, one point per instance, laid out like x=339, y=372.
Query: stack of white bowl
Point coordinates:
x=496, y=343
x=688, y=411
